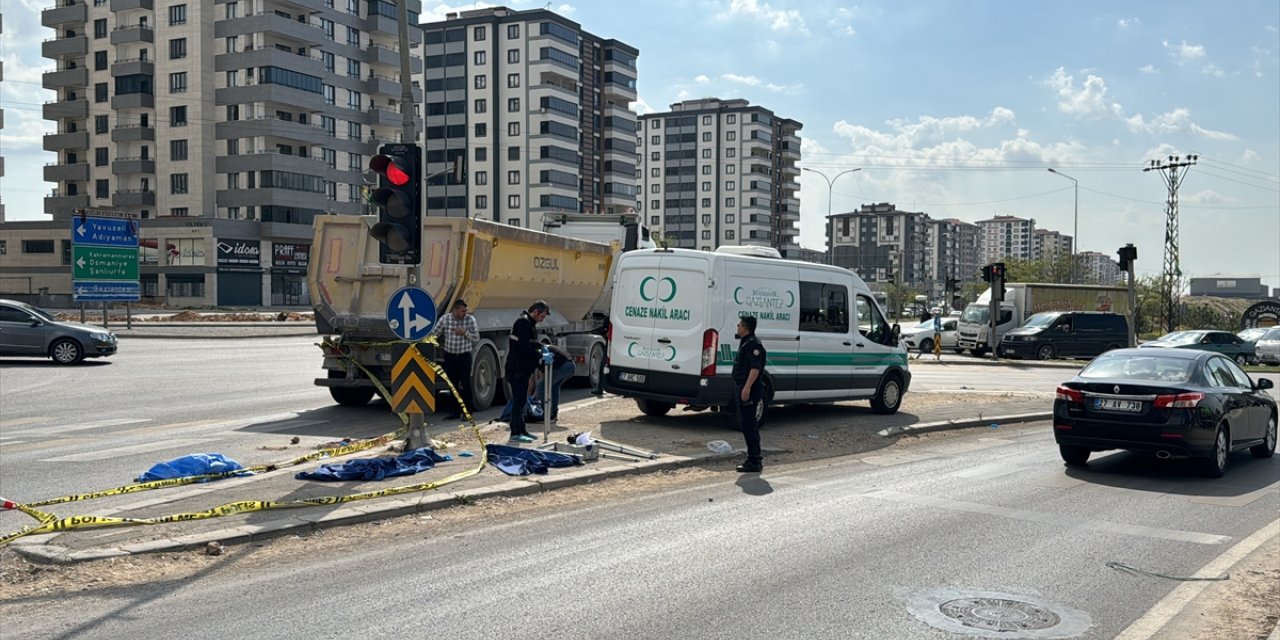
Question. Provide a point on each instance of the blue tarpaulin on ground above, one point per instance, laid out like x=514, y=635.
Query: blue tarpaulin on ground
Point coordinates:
x=515, y=461
x=196, y=464
x=406, y=464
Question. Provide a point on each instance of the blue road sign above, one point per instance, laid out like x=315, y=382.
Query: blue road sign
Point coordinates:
x=411, y=313
x=117, y=291
x=104, y=232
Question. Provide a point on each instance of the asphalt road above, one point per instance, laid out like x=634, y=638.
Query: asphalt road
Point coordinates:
x=863, y=547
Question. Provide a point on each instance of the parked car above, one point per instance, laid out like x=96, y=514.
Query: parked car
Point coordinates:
x=1253, y=335
x=1267, y=348
x=1224, y=342
x=1066, y=334
x=921, y=336
x=29, y=331
x=1171, y=402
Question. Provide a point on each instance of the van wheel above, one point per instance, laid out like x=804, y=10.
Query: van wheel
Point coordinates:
x=1046, y=352
x=889, y=396
x=653, y=407
x=484, y=380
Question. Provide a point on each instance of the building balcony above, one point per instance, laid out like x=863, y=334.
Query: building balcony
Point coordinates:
x=378, y=23
x=276, y=197
x=277, y=93
x=131, y=166
x=78, y=172
x=133, y=101
x=310, y=134
x=65, y=13
x=559, y=89
x=60, y=205
x=73, y=47
x=379, y=54
x=268, y=22
x=133, y=67
x=545, y=67
x=66, y=141
x=132, y=133
x=130, y=33
x=125, y=5
x=272, y=161
x=622, y=91
x=133, y=198
x=379, y=116
x=66, y=78
x=388, y=86
x=270, y=57
x=75, y=109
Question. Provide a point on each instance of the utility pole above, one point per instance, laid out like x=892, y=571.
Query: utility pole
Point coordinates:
x=406, y=77
x=1171, y=281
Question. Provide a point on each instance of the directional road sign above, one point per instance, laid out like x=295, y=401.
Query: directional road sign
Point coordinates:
x=104, y=263
x=119, y=290
x=411, y=313
x=104, y=257
x=413, y=383
x=104, y=232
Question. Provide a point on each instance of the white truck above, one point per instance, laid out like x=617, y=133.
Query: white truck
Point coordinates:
x=1023, y=300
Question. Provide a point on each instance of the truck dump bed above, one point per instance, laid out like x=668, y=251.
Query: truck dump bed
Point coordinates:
x=497, y=269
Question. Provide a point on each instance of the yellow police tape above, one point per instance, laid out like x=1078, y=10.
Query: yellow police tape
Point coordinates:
x=49, y=523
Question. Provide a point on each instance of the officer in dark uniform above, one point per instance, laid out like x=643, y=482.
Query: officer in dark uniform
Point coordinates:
x=748, y=369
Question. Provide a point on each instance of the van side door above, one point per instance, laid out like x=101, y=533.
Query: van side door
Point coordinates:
x=874, y=348
x=825, y=356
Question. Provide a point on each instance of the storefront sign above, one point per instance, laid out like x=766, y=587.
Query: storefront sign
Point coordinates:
x=290, y=255
x=245, y=253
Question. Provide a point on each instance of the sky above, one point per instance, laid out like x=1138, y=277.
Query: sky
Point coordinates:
x=956, y=109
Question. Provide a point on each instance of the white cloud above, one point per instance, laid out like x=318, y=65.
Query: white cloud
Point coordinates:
x=566, y=9
x=789, y=89
x=1212, y=70
x=702, y=79
x=777, y=19
x=926, y=132
x=641, y=107
x=1249, y=156
x=1149, y=69
x=1125, y=23
x=1090, y=101
x=842, y=23
x=1180, y=120
x=1206, y=197
x=750, y=81
x=1184, y=52
x=1272, y=29
x=437, y=11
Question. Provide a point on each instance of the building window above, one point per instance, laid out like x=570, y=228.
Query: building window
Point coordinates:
x=482, y=202
x=178, y=82
x=482, y=177
x=706, y=235
x=655, y=123
x=178, y=149
x=233, y=78
x=178, y=183
x=100, y=124
x=513, y=56
x=353, y=37
x=177, y=14
x=513, y=202
x=102, y=188
x=354, y=99
x=728, y=217
x=327, y=58
x=100, y=61
x=478, y=34
x=513, y=153
x=481, y=105
x=731, y=136
x=730, y=153
x=100, y=92
x=728, y=235
x=37, y=246
x=706, y=153
x=513, y=80
x=482, y=130
x=706, y=186
x=655, y=173
x=655, y=156
x=355, y=162
x=179, y=212
x=478, y=58
x=329, y=94
x=100, y=157
x=706, y=136
x=730, y=169
x=100, y=28
x=706, y=120
x=482, y=154
x=653, y=188
x=706, y=169
x=177, y=48
x=353, y=68
x=655, y=205
x=731, y=119
x=513, y=105
x=513, y=177
x=354, y=131
x=480, y=81
x=513, y=128
x=730, y=202
x=706, y=204
x=513, y=31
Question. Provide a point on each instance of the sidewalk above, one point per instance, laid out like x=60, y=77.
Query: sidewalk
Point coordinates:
x=211, y=330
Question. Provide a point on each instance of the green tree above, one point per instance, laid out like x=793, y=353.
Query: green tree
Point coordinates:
x=898, y=296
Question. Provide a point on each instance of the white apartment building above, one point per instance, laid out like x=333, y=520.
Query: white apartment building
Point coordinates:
x=540, y=109
x=1007, y=237
x=1051, y=244
x=721, y=172
x=1099, y=268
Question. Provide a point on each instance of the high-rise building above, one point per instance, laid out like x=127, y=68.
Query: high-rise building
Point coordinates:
x=259, y=110
x=539, y=108
x=1099, y=268
x=1050, y=244
x=882, y=244
x=721, y=172
x=1007, y=237
x=954, y=253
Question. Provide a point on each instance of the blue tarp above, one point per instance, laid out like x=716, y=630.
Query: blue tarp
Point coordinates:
x=196, y=464
x=515, y=461
x=406, y=464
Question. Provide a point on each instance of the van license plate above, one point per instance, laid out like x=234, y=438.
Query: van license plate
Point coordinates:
x=632, y=377
x=1132, y=406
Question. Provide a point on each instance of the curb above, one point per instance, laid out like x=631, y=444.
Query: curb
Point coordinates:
x=948, y=425
x=1035, y=364
x=246, y=336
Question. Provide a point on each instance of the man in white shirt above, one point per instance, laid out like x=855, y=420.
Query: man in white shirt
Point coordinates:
x=459, y=334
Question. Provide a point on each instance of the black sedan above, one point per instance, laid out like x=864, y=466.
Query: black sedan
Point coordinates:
x=1171, y=402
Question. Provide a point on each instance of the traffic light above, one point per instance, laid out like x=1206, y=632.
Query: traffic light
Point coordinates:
x=1128, y=253
x=399, y=202
x=986, y=273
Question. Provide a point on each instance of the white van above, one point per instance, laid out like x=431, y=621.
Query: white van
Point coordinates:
x=674, y=313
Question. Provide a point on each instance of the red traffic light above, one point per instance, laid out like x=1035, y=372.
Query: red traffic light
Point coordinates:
x=395, y=169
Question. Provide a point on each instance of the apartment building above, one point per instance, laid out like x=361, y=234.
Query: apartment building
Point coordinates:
x=721, y=172
x=1007, y=237
x=254, y=110
x=881, y=243
x=953, y=251
x=1050, y=244
x=540, y=109
x=1099, y=268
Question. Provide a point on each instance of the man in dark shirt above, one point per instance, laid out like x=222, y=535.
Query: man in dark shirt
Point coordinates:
x=523, y=355
x=748, y=369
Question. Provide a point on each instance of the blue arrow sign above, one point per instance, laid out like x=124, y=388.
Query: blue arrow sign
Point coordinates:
x=411, y=313
x=95, y=291
x=104, y=232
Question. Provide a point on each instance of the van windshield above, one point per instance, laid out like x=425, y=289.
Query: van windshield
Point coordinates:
x=1040, y=320
x=976, y=314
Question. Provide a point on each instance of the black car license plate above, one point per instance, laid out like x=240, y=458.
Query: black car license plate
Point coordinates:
x=1106, y=404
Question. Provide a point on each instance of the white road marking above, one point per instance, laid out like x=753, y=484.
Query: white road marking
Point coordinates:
x=17, y=422
x=891, y=459
x=1237, y=501
x=1059, y=522
x=82, y=426
x=987, y=471
x=105, y=454
x=1154, y=620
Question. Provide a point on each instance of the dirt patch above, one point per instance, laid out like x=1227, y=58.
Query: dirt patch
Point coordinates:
x=1246, y=607
x=193, y=316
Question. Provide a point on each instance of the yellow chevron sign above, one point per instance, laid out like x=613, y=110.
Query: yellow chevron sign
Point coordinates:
x=413, y=383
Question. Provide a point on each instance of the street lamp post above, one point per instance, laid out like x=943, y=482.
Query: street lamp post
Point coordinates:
x=1075, y=231
x=831, y=230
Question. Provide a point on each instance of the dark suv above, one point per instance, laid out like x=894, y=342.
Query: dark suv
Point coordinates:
x=1066, y=334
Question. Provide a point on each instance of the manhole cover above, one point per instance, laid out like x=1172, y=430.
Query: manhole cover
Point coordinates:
x=997, y=614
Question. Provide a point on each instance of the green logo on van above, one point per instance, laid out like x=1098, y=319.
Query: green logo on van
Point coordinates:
x=634, y=350
x=765, y=303
x=648, y=296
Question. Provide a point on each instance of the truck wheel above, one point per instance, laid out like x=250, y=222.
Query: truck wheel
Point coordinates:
x=654, y=408
x=595, y=366
x=484, y=380
x=349, y=396
x=889, y=396
x=959, y=351
x=979, y=352
x=1046, y=352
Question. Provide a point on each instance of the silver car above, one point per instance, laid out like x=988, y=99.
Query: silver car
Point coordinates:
x=28, y=331
x=1268, y=347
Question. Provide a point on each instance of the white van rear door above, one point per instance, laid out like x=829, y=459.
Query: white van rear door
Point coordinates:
x=676, y=299
x=632, y=323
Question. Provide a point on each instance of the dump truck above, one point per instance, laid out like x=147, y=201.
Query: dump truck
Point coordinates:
x=498, y=269
x=1025, y=299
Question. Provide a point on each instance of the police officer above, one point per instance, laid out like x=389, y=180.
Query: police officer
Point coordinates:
x=748, y=367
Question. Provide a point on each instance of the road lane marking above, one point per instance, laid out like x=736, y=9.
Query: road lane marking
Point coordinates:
x=118, y=452
x=988, y=471
x=83, y=426
x=892, y=459
x=1154, y=620
x=1061, y=522
x=1055, y=480
x=1241, y=500
x=18, y=422
x=44, y=444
